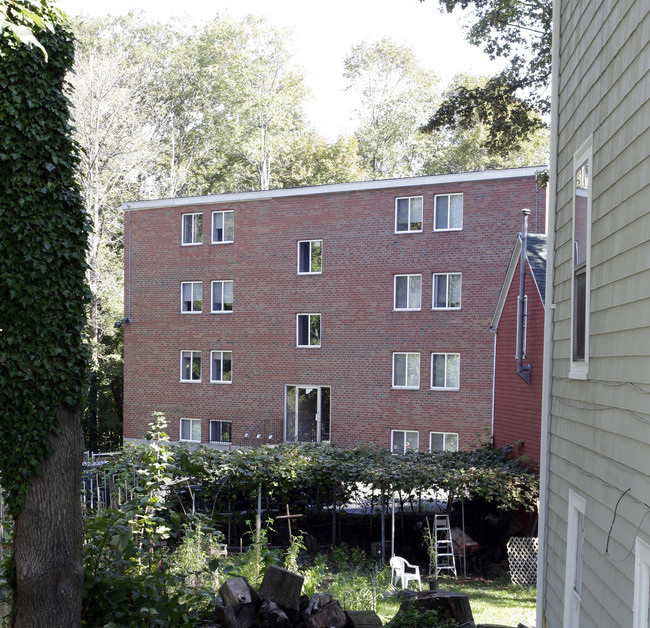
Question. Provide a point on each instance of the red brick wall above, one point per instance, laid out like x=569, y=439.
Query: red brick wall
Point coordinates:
x=354, y=294
x=517, y=405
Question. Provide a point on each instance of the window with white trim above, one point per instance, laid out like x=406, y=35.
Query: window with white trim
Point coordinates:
x=446, y=291
x=402, y=441
x=406, y=370
x=408, y=214
x=221, y=432
x=190, y=366
x=641, y=608
x=222, y=296
x=190, y=430
x=448, y=212
x=581, y=255
x=573, y=560
x=445, y=371
x=407, y=292
x=191, y=297
x=221, y=367
x=223, y=227
x=308, y=330
x=192, y=229
x=310, y=257
x=443, y=441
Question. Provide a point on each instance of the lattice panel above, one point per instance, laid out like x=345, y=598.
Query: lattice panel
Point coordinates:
x=522, y=559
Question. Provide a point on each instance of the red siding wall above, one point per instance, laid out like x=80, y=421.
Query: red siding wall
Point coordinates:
x=517, y=405
x=354, y=294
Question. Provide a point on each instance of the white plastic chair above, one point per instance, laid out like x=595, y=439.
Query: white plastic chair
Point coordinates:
x=401, y=569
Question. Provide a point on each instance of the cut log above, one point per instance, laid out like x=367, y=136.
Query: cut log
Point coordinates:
x=240, y=616
x=282, y=587
x=272, y=616
x=363, y=619
x=237, y=591
x=317, y=600
x=450, y=606
x=328, y=616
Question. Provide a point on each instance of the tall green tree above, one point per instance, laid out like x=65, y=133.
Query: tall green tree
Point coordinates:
x=42, y=318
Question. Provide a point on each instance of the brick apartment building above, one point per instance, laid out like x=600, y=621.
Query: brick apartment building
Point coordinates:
x=350, y=313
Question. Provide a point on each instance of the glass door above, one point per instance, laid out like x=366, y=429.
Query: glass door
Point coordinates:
x=307, y=418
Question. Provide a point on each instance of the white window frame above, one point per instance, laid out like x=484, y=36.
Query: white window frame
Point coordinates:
x=409, y=355
x=223, y=283
x=405, y=432
x=193, y=423
x=641, y=608
x=223, y=219
x=213, y=379
x=192, y=242
x=447, y=355
x=308, y=346
x=579, y=368
x=311, y=258
x=191, y=283
x=221, y=423
x=410, y=200
x=192, y=357
x=444, y=440
x=408, y=307
x=434, y=291
x=573, y=560
x=435, y=211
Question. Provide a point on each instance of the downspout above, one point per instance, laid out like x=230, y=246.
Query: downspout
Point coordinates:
x=522, y=371
x=549, y=311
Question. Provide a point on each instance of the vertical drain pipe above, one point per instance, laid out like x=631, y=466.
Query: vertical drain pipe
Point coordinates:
x=522, y=371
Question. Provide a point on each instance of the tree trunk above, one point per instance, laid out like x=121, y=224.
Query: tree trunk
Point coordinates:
x=48, y=536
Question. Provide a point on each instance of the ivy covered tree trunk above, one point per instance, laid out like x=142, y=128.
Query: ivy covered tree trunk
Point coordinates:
x=43, y=237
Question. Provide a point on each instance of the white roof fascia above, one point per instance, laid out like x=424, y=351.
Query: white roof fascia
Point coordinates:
x=333, y=188
x=505, y=287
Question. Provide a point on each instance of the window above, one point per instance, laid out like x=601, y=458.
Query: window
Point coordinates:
x=446, y=291
x=190, y=366
x=191, y=430
x=408, y=214
x=641, y=616
x=407, y=292
x=445, y=371
x=308, y=330
x=443, y=441
x=222, y=296
x=191, y=292
x=402, y=441
x=581, y=261
x=310, y=257
x=223, y=227
x=192, y=229
x=307, y=414
x=221, y=431
x=406, y=370
x=448, y=212
x=573, y=574
x=221, y=367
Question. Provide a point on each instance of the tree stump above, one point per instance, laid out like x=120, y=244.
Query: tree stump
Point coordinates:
x=328, y=616
x=363, y=619
x=450, y=606
x=282, y=587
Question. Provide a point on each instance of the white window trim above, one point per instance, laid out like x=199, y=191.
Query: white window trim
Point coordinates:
x=222, y=282
x=220, y=381
x=408, y=293
x=406, y=387
x=191, y=381
x=310, y=314
x=433, y=292
x=641, y=606
x=392, y=436
x=580, y=369
x=222, y=211
x=191, y=311
x=180, y=430
x=444, y=439
x=446, y=354
x=219, y=442
x=435, y=209
x=401, y=198
x=183, y=229
x=310, y=272
x=577, y=506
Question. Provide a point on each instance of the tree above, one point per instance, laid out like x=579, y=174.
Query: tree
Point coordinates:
x=42, y=302
x=512, y=103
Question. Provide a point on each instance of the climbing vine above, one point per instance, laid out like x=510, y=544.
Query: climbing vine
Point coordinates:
x=43, y=233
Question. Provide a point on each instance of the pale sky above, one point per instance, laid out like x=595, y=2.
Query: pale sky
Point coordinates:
x=324, y=33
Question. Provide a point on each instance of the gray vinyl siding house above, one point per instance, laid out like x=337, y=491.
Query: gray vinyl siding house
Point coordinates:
x=594, y=567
